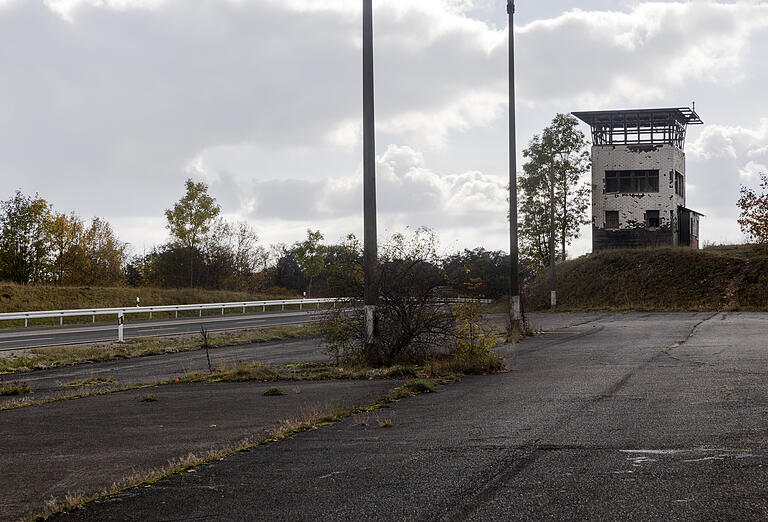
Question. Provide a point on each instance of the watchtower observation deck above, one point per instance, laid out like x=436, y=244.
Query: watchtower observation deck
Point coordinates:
x=640, y=126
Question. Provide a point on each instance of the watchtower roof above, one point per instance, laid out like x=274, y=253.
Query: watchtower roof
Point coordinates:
x=640, y=126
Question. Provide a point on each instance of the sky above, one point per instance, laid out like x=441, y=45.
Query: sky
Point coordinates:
x=107, y=106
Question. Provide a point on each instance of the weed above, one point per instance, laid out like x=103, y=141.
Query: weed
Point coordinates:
x=419, y=386
x=92, y=381
x=385, y=422
x=149, y=397
x=403, y=371
x=474, y=350
x=17, y=388
x=273, y=392
x=727, y=393
x=206, y=346
x=311, y=419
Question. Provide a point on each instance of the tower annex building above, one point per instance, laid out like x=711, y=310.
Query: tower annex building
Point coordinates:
x=639, y=178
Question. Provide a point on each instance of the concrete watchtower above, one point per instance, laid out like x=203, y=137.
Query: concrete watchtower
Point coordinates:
x=638, y=178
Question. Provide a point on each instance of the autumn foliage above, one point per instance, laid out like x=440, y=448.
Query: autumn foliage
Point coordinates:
x=754, y=211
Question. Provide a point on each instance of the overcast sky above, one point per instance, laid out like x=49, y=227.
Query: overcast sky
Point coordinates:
x=107, y=106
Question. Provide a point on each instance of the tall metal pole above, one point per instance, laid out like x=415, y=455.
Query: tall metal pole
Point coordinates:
x=552, y=253
x=515, y=315
x=369, y=178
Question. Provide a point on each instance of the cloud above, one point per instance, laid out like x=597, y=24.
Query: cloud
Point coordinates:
x=728, y=156
x=107, y=105
x=601, y=58
x=407, y=190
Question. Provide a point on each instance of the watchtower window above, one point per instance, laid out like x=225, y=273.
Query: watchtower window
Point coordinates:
x=612, y=219
x=652, y=219
x=679, y=184
x=631, y=181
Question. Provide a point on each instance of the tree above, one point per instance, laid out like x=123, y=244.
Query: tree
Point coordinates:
x=25, y=239
x=553, y=189
x=344, y=268
x=66, y=233
x=104, y=254
x=489, y=267
x=754, y=211
x=310, y=255
x=191, y=218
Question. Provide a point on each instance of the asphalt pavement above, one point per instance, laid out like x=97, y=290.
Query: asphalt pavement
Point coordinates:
x=633, y=417
x=85, y=445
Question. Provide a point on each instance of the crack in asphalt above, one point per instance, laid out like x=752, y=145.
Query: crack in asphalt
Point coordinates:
x=676, y=345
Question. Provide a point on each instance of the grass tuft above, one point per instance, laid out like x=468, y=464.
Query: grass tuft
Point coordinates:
x=17, y=388
x=311, y=419
x=92, y=381
x=419, y=386
x=397, y=372
x=149, y=397
x=274, y=391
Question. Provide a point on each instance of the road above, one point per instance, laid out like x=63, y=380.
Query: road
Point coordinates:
x=632, y=417
x=89, y=333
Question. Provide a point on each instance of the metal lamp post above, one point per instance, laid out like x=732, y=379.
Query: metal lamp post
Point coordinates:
x=369, y=180
x=515, y=314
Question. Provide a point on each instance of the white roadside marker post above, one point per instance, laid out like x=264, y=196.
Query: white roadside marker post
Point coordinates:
x=120, y=321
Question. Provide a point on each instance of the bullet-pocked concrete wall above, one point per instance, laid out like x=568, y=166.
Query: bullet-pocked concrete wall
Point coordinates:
x=632, y=207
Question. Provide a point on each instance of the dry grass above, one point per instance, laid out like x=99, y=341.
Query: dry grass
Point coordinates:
x=57, y=356
x=94, y=380
x=16, y=388
x=733, y=277
x=80, y=393
x=240, y=372
x=311, y=419
x=72, y=501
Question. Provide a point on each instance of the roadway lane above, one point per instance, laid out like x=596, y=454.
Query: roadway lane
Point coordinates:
x=25, y=338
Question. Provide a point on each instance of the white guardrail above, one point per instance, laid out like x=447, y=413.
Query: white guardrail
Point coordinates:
x=121, y=312
x=61, y=314
x=282, y=303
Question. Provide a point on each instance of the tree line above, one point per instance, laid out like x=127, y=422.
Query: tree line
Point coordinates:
x=39, y=245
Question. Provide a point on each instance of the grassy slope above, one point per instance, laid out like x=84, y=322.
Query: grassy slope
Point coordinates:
x=18, y=298
x=717, y=278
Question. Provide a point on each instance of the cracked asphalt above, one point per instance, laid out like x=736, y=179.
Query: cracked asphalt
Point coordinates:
x=642, y=416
